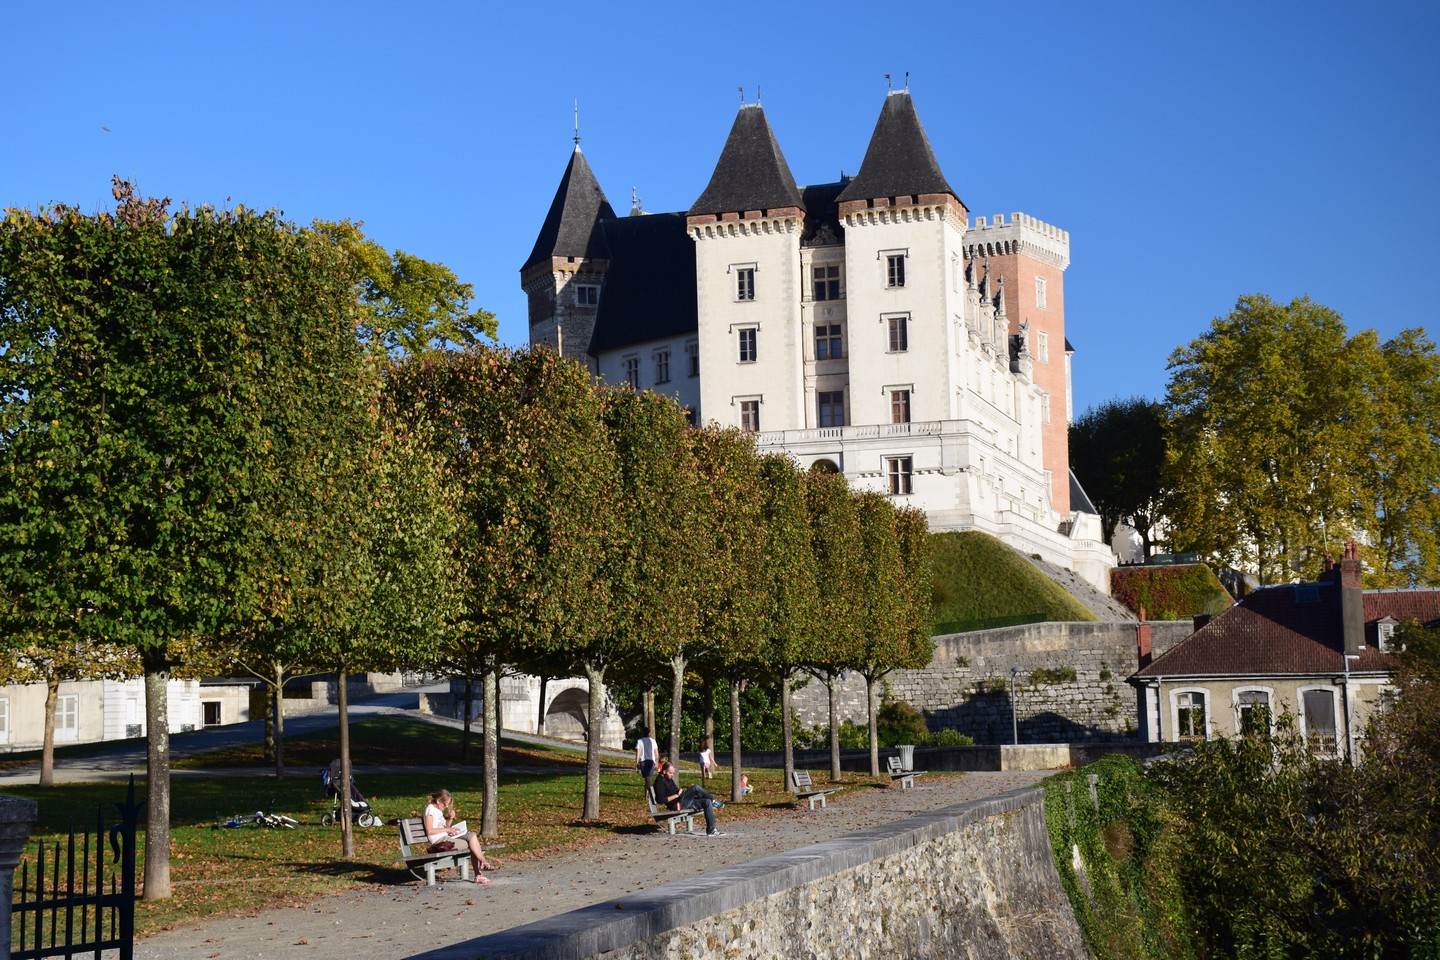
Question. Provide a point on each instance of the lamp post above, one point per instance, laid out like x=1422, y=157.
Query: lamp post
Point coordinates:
x=1014, y=717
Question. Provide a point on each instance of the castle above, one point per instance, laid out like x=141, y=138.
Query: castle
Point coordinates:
x=867, y=326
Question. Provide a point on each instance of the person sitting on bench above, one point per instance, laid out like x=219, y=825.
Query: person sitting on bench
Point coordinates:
x=669, y=795
x=439, y=815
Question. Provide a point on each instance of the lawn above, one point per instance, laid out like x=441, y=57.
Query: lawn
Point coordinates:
x=248, y=869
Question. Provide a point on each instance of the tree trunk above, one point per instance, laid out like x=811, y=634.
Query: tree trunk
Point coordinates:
x=677, y=693
x=490, y=757
x=735, y=794
x=540, y=720
x=465, y=720
x=157, y=775
x=595, y=675
x=279, y=712
x=499, y=713
x=834, y=727
x=347, y=829
x=709, y=700
x=649, y=710
x=874, y=725
x=47, y=752
x=269, y=733
x=787, y=731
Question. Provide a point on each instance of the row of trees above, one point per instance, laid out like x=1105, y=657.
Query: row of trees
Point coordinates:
x=228, y=440
x=1281, y=433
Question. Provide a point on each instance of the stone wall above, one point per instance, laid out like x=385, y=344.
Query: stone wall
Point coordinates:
x=966, y=687
x=976, y=880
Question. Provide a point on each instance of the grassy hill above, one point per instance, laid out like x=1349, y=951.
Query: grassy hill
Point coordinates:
x=1170, y=593
x=981, y=583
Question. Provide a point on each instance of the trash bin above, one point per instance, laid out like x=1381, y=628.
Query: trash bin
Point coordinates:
x=907, y=756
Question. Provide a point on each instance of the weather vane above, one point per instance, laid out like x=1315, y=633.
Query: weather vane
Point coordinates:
x=577, y=122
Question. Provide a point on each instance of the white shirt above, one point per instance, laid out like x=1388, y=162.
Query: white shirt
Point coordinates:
x=645, y=749
x=435, y=821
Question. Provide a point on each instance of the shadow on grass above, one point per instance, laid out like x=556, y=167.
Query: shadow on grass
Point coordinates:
x=352, y=870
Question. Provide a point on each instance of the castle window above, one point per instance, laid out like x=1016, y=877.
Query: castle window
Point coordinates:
x=587, y=294
x=826, y=281
x=745, y=283
x=1042, y=347
x=67, y=717
x=897, y=476
x=747, y=343
x=662, y=366
x=692, y=359
x=1040, y=293
x=4, y=719
x=827, y=341
x=895, y=270
x=750, y=416
x=632, y=372
x=899, y=333
x=1045, y=409
x=831, y=408
x=899, y=406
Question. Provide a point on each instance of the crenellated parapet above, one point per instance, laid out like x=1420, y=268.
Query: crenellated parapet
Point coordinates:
x=1023, y=234
x=883, y=211
x=751, y=223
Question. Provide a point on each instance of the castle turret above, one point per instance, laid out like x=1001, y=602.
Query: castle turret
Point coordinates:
x=564, y=275
x=746, y=226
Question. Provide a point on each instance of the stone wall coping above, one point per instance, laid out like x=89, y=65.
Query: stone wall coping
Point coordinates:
x=614, y=924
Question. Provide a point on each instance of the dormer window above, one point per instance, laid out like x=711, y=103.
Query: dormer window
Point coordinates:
x=587, y=294
x=1385, y=635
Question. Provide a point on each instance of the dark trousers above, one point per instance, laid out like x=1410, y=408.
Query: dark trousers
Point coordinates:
x=698, y=796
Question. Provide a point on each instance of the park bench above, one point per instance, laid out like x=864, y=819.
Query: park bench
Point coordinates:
x=805, y=789
x=906, y=777
x=423, y=865
x=669, y=817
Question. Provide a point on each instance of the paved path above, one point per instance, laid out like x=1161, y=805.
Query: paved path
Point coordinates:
x=386, y=922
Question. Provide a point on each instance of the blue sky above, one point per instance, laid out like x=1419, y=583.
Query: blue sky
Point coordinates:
x=1195, y=152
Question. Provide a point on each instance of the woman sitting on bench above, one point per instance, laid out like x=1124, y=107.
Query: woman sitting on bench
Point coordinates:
x=439, y=816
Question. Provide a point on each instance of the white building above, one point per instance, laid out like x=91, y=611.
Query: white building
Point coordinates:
x=868, y=326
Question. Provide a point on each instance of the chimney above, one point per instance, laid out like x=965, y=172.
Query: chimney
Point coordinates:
x=1352, y=600
x=1142, y=640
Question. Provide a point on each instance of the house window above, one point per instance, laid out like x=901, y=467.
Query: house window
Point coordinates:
x=827, y=341
x=67, y=717
x=899, y=406
x=1040, y=292
x=662, y=366
x=1042, y=346
x=692, y=358
x=1252, y=712
x=826, y=282
x=895, y=270
x=750, y=416
x=745, y=283
x=747, y=342
x=831, y=407
x=899, y=333
x=587, y=294
x=1318, y=713
x=1385, y=635
x=1190, y=715
x=210, y=713
x=4, y=719
x=632, y=372
x=897, y=475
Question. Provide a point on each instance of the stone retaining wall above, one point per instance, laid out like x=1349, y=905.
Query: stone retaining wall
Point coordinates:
x=966, y=687
x=975, y=880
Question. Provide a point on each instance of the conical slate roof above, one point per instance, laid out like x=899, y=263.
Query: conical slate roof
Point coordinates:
x=571, y=227
x=899, y=161
x=752, y=173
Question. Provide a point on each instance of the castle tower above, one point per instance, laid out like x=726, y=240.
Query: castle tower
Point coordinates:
x=746, y=227
x=564, y=276
x=904, y=229
x=1032, y=257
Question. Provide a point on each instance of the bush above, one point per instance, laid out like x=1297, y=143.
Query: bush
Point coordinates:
x=898, y=722
x=946, y=738
x=1170, y=593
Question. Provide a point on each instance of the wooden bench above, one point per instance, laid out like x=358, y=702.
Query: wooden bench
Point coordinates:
x=423, y=865
x=906, y=777
x=805, y=789
x=671, y=817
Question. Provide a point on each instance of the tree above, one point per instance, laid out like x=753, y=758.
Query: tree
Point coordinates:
x=1270, y=419
x=840, y=571
x=409, y=306
x=1117, y=451
x=148, y=354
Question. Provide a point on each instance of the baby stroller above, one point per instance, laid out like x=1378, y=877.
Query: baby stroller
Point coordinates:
x=360, y=812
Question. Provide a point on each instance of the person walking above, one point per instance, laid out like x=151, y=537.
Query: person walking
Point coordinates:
x=646, y=750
